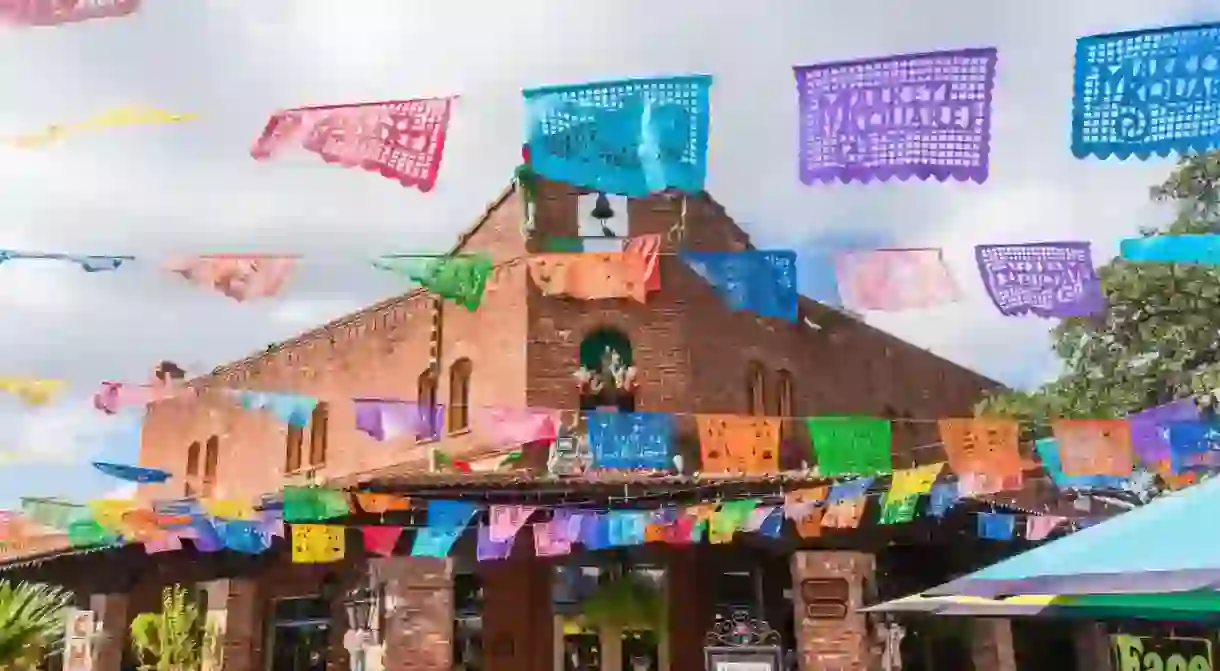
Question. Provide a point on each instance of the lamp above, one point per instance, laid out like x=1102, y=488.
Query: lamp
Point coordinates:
x=359, y=602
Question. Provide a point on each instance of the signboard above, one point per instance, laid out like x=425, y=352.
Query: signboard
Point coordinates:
x=78, y=641
x=1154, y=653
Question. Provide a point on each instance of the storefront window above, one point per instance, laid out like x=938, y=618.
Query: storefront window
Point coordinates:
x=737, y=591
x=300, y=634
x=468, y=622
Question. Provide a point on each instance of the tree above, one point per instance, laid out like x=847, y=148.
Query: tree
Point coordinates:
x=1159, y=338
x=33, y=619
x=176, y=639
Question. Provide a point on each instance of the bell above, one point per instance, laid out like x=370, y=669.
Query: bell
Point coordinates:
x=601, y=209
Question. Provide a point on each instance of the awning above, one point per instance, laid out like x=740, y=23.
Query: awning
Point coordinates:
x=1176, y=607
x=1165, y=546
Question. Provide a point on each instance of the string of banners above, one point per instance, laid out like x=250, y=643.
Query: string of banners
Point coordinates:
x=925, y=115
x=1174, y=439
x=311, y=513
x=1046, y=279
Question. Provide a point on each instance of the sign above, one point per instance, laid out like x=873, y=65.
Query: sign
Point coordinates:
x=825, y=598
x=1148, y=653
x=78, y=641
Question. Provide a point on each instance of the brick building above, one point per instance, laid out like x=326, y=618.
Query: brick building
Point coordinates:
x=521, y=348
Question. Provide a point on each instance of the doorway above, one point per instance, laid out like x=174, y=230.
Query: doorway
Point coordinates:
x=300, y=634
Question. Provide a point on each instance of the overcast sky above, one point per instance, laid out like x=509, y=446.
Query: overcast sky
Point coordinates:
x=151, y=191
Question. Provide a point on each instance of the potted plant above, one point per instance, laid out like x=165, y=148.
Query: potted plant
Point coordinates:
x=33, y=618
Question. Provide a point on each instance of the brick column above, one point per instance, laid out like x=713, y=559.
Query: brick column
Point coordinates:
x=991, y=645
x=830, y=641
x=1092, y=647
x=235, y=609
x=419, y=613
x=110, y=614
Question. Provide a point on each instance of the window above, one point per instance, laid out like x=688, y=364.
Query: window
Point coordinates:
x=602, y=222
x=459, y=395
x=606, y=355
x=210, y=461
x=756, y=381
x=192, y=468
x=292, y=449
x=427, y=406
x=318, y=428
x=784, y=394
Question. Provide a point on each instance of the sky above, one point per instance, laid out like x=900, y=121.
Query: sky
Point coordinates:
x=152, y=191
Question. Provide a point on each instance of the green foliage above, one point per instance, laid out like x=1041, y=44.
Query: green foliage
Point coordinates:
x=176, y=639
x=1158, y=340
x=627, y=602
x=33, y=618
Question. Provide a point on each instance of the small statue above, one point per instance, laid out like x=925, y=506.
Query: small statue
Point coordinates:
x=612, y=375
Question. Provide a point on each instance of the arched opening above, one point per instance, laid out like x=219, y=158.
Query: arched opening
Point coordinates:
x=319, y=422
x=192, y=467
x=426, y=399
x=784, y=390
x=459, y=395
x=210, y=461
x=756, y=386
x=607, y=371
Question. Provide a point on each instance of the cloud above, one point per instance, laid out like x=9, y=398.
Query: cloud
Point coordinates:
x=152, y=191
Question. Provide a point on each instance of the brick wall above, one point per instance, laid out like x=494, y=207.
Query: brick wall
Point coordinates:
x=834, y=644
x=692, y=353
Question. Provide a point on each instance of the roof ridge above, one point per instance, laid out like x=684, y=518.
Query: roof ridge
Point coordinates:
x=227, y=371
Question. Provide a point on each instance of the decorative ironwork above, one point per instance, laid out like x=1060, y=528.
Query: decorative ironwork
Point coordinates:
x=739, y=629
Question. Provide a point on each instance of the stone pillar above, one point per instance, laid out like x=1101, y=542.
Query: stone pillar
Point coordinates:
x=828, y=592
x=991, y=645
x=419, y=613
x=112, y=619
x=1092, y=647
x=234, y=608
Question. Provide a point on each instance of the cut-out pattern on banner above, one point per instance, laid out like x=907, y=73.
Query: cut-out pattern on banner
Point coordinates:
x=403, y=140
x=32, y=391
x=1095, y=447
x=238, y=276
x=1149, y=428
x=761, y=281
x=1194, y=444
x=387, y=419
x=631, y=440
x=894, y=279
x=918, y=115
x=88, y=262
x=630, y=137
x=1048, y=453
x=985, y=453
x=632, y=273
x=907, y=486
x=58, y=12
x=1047, y=279
x=1203, y=249
x=851, y=445
x=318, y=543
x=1146, y=92
x=737, y=444
x=116, y=118
x=461, y=279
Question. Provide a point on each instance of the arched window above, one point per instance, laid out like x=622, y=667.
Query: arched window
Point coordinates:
x=784, y=391
x=609, y=379
x=318, y=432
x=426, y=399
x=192, y=467
x=756, y=385
x=459, y=395
x=210, y=462
x=292, y=449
